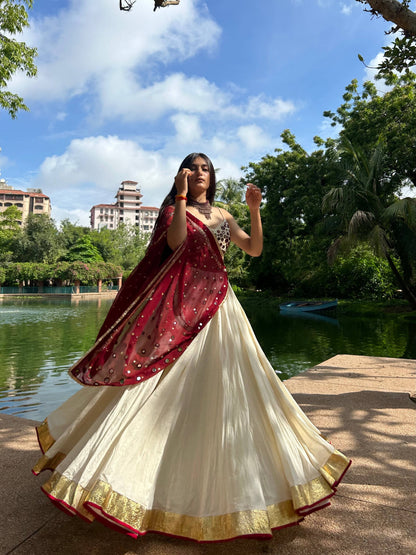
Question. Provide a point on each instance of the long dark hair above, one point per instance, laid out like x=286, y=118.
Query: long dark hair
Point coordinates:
x=187, y=163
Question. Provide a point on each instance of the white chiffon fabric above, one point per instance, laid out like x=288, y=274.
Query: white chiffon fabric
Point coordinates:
x=216, y=434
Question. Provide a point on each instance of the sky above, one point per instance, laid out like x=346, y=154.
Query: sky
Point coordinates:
x=127, y=95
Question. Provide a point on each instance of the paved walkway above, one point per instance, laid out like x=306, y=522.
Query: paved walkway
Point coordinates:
x=360, y=403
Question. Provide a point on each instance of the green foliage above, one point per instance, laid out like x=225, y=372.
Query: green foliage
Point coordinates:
x=230, y=193
x=25, y=272
x=369, y=212
x=87, y=274
x=369, y=115
x=293, y=183
x=14, y=55
x=363, y=275
x=129, y=245
x=70, y=233
x=84, y=251
x=124, y=246
x=9, y=232
x=400, y=56
x=39, y=242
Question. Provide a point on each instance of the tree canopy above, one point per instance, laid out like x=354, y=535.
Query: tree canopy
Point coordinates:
x=360, y=176
x=400, y=55
x=14, y=55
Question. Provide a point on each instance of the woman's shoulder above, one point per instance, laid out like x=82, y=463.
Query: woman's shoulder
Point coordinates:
x=224, y=213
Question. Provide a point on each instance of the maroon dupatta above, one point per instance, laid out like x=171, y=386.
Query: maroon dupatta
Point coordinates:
x=165, y=302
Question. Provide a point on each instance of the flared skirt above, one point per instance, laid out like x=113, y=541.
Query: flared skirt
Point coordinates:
x=213, y=448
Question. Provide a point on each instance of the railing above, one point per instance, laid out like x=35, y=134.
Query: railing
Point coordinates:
x=69, y=290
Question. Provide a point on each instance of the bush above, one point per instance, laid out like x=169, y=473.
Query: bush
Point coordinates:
x=363, y=275
x=358, y=275
x=87, y=274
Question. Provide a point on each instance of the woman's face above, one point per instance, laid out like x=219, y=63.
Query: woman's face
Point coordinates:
x=199, y=179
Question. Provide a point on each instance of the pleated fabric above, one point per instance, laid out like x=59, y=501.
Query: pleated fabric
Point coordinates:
x=213, y=448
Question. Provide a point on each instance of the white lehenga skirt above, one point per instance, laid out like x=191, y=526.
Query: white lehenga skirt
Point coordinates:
x=213, y=448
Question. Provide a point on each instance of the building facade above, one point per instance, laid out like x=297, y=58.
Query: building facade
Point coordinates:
x=32, y=201
x=127, y=209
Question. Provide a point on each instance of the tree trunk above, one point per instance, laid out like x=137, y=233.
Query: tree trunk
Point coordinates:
x=77, y=284
x=408, y=293
x=394, y=11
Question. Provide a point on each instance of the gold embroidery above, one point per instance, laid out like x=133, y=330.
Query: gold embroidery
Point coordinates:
x=308, y=494
x=46, y=441
x=121, y=509
x=72, y=494
x=48, y=463
x=45, y=438
x=134, y=515
x=335, y=466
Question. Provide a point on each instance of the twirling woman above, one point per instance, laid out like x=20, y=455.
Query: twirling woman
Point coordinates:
x=197, y=437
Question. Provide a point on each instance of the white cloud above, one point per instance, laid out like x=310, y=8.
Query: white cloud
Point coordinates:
x=61, y=116
x=4, y=162
x=188, y=129
x=91, y=43
x=77, y=216
x=346, y=9
x=116, y=65
x=176, y=92
x=260, y=107
x=91, y=169
x=253, y=137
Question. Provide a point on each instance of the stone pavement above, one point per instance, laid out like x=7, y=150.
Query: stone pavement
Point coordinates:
x=360, y=403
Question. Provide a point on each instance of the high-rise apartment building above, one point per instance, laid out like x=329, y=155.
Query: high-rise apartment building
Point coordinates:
x=127, y=209
x=32, y=201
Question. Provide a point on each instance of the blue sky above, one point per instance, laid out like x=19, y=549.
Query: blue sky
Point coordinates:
x=127, y=95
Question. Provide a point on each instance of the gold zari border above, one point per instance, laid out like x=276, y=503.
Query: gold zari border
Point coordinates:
x=44, y=436
x=118, y=509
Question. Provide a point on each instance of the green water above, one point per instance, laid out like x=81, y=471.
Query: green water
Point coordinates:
x=41, y=339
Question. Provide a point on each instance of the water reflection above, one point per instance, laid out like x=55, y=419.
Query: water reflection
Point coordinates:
x=41, y=339
x=294, y=343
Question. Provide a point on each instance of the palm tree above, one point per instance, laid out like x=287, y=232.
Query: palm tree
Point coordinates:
x=370, y=212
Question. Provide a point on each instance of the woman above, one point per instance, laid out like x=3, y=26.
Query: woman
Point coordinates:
x=198, y=437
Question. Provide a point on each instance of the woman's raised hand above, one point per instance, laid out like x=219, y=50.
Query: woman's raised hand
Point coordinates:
x=181, y=181
x=253, y=196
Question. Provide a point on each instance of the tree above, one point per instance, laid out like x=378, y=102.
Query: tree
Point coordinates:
x=369, y=213
x=10, y=230
x=71, y=233
x=83, y=250
x=124, y=246
x=230, y=193
x=367, y=115
x=14, y=55
x=401, y=54
x=39, y=241
x=126, y=5
x=293, y=183
x=129, y=245
x=396, y=12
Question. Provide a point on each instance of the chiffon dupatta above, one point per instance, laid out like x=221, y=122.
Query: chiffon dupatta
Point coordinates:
x=165, y=302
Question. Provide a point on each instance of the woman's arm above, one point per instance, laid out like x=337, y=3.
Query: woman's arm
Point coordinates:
x=252, y=244
x=177, y=231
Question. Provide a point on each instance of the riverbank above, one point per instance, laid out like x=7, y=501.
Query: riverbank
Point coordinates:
x=392, y=307
x=360, y=403
x=73, y=296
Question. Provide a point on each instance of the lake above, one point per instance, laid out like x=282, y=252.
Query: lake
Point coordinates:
x=40, y=339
